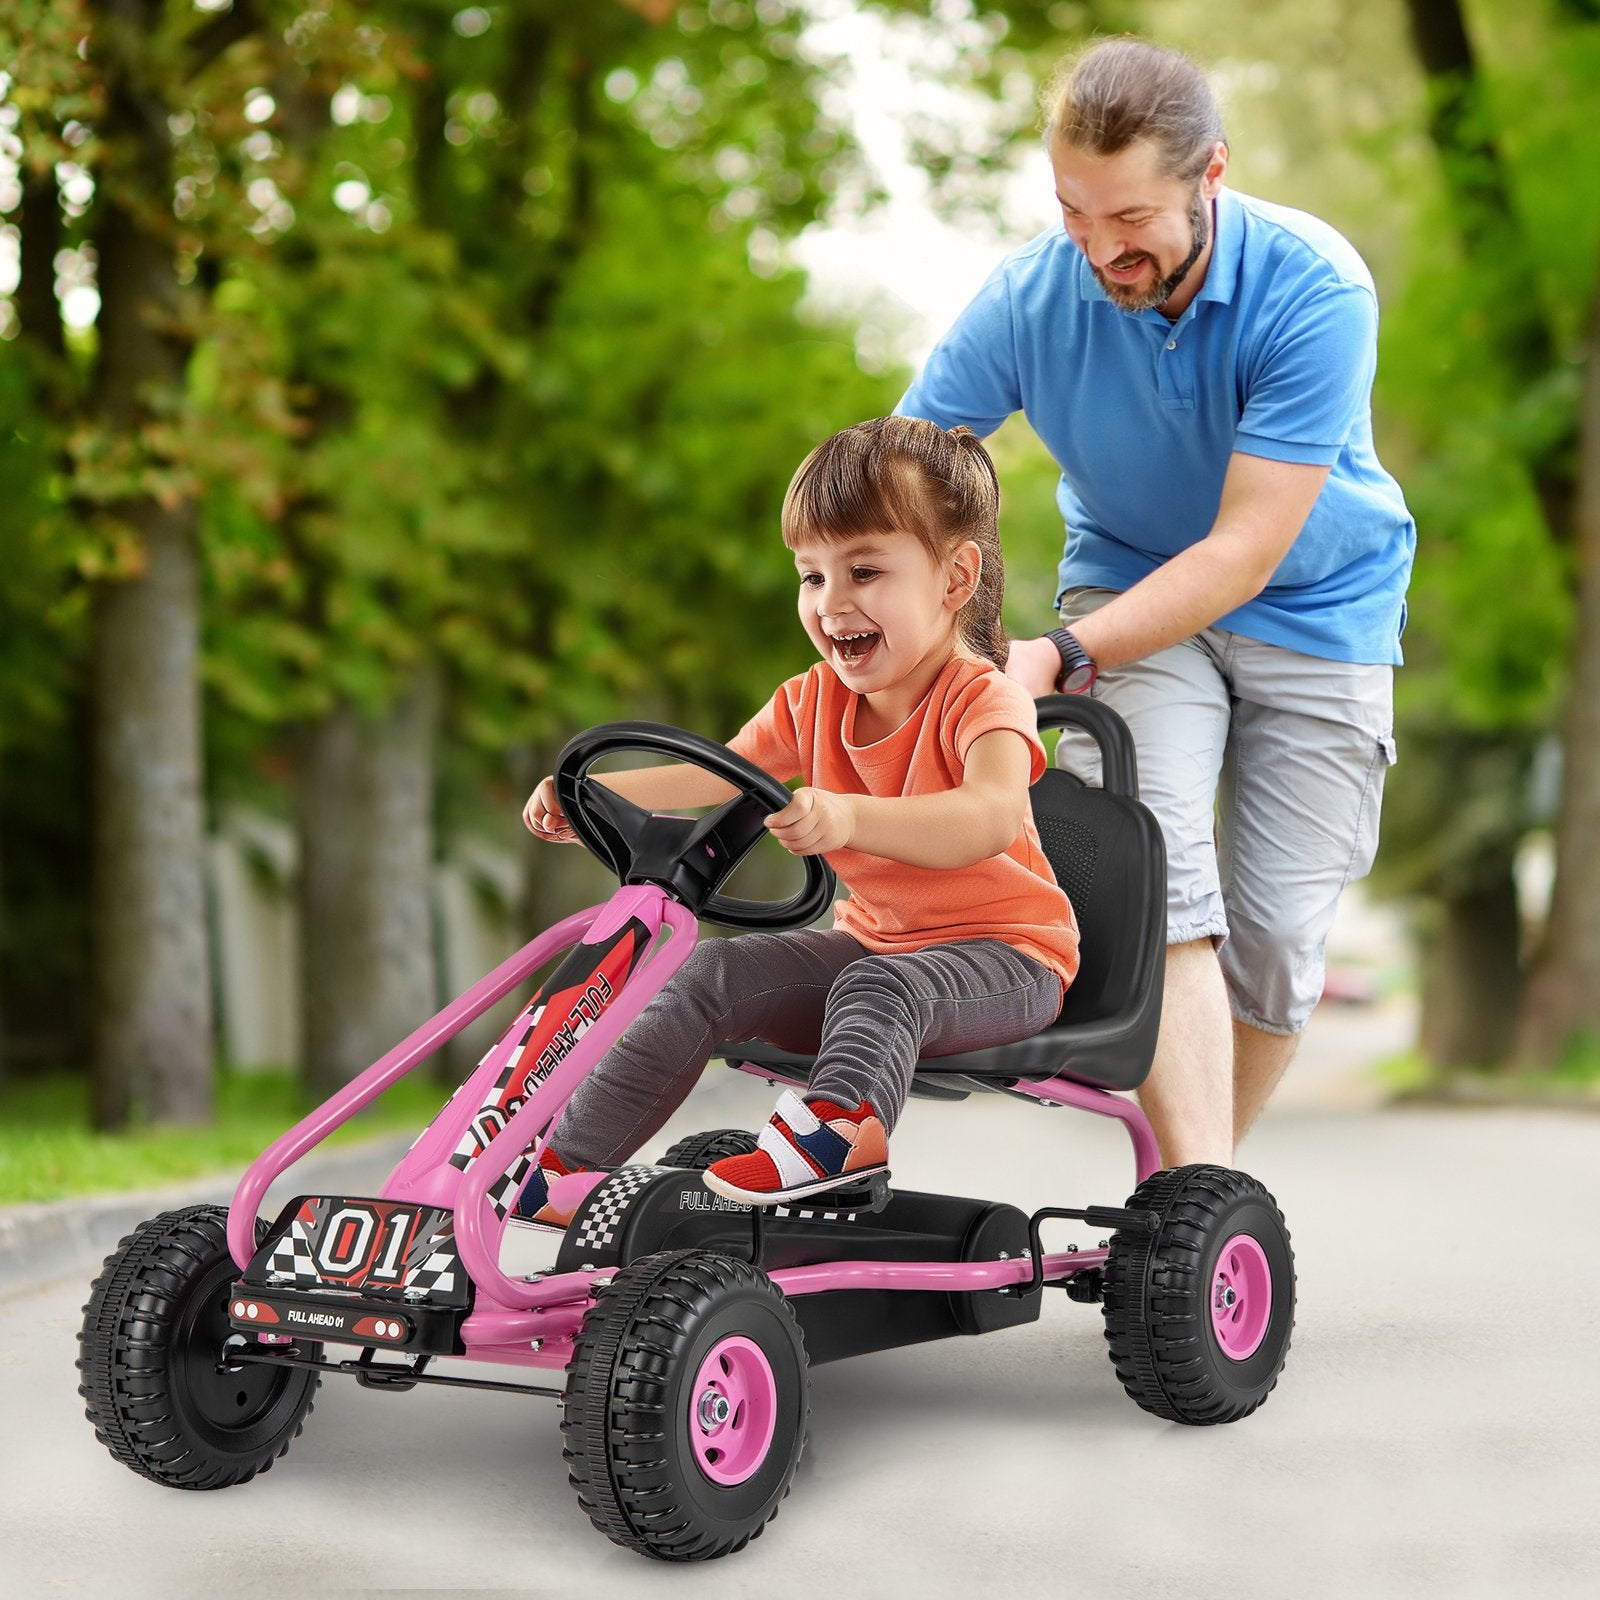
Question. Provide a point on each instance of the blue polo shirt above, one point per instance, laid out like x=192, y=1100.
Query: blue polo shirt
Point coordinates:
x=1273, y=357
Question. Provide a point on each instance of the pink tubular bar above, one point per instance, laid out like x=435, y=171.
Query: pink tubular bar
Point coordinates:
x=1069, y=1092
x=425, y=1172
x=388, y=1069
x=477, y=1229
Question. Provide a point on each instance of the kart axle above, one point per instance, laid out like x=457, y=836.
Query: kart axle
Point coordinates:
x=386, y=1374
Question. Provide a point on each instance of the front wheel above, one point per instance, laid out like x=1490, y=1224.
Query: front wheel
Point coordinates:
x=686, y=1405
x=157, y=1382
x=1198, y=1315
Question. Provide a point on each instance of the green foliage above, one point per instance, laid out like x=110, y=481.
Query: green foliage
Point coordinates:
x=48, y=1153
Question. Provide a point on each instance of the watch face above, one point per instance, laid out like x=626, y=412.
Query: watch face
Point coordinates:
x=1075, y=680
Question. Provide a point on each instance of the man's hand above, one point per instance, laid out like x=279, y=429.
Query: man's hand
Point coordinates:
x=544, y=817
x=813, y=823
x=1035, y=664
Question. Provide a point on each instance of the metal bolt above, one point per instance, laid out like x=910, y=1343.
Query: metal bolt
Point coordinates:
x=536, y=1344
x=714, y=1410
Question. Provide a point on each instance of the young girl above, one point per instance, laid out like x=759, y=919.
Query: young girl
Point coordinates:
x=916, y=752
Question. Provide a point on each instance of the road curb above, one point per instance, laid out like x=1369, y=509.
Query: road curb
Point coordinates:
x=46, y=1241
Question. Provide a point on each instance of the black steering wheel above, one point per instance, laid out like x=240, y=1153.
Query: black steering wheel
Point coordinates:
x=690, y=858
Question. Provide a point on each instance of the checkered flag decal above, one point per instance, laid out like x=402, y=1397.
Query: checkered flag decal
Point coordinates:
x=606, y=1207
x=503, y=1194
x=814, y=1214
x=291, y=1259
x=436, y=1275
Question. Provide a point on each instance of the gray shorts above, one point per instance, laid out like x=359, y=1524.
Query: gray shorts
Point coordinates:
x=1265, y=768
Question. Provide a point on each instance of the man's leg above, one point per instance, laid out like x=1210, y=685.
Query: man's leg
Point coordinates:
x=1188, y=1096
x=1259, y=1061
x=1297, y=818
x=1177, y=707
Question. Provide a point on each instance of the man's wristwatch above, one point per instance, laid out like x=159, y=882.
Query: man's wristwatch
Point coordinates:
x=1078, y=671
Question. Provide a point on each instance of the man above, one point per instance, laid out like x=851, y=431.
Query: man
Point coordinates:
x=1200, y=365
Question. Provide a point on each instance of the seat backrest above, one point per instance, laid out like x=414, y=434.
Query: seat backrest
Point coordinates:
x=1107, y=853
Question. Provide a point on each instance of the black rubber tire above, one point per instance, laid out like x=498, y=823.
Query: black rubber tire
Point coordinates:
x=152, y=1386
x=1157, y=1289
x=632, y=1366
x=696, y=1151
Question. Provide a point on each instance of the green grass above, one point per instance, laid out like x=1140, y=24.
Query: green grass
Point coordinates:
x=48, y=1151
x=1410, y=1075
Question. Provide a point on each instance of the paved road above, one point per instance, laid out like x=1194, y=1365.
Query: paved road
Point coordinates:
x=1434, y=1433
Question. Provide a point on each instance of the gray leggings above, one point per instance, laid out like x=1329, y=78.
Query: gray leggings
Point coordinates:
x=866, y=1017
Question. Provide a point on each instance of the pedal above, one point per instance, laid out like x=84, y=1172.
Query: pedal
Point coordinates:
x=871, y=1194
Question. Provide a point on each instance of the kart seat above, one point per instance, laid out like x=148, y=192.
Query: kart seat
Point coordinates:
x=1107, y=853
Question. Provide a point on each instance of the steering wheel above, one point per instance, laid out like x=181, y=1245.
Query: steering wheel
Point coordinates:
x=691, y=858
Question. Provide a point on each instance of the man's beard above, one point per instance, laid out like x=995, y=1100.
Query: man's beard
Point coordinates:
x=1160, y=292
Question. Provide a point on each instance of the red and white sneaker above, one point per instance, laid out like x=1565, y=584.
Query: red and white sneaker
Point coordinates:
x=536, y=1207
x=807, y=1148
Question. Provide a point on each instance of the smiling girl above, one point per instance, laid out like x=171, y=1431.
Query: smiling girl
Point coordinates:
x=915, y=753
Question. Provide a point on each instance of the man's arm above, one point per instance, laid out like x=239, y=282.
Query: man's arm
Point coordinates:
x=955, y=828
x=1264, y=506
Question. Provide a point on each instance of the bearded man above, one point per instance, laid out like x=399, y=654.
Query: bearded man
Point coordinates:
x=1200, y=364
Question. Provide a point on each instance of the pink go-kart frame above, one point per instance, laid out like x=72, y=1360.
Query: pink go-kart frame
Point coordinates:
x=683, y=1324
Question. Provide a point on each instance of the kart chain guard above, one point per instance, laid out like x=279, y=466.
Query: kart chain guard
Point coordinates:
x=640, y=1210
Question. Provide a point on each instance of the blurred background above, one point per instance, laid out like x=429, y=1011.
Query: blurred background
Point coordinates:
x=390, y=388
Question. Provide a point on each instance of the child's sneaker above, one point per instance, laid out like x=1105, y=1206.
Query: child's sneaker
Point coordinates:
x=534, y=1207
x=807, y=1148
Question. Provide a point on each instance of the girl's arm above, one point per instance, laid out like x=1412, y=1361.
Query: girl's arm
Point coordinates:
x=671, y=788
x=954, y=829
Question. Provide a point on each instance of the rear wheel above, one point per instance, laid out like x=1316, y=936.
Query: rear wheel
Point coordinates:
x=686, y=1405
x=1199, y=1314
x=697, y=1151
x=157, y=1382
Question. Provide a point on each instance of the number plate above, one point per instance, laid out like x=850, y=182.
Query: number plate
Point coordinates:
x=374, y=1248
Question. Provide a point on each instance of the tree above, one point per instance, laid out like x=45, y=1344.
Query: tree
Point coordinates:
x=151, y=989
x=1520, y=296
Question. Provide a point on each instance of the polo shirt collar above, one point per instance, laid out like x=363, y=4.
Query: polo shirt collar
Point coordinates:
x=1222, y=274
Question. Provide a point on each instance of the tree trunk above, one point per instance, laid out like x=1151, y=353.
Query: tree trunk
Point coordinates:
x=152, y=988
x=1566, y=969
x=366, y=862
x=1470, y=976
x=1562, y=1005
x=38, y=311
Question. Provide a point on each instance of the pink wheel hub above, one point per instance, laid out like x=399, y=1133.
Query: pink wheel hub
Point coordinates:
x=733, y=1410
x=1241, y=1297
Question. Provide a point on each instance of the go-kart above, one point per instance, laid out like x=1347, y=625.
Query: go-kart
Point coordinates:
x=684, y=1324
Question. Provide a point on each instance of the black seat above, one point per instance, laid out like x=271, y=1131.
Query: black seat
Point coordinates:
x=1107, y=853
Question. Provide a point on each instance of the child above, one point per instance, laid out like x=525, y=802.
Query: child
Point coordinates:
x=916, y=752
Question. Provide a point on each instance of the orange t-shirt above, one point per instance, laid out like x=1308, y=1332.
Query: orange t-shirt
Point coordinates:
x=807, y=730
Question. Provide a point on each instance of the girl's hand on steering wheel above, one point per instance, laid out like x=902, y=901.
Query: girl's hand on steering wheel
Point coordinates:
x=544, y=817
x=813, y=823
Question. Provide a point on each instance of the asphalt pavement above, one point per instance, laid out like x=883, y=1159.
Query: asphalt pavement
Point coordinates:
x=1434, y=1432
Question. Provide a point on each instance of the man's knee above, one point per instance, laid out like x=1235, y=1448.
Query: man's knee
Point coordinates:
x=1274, y=970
